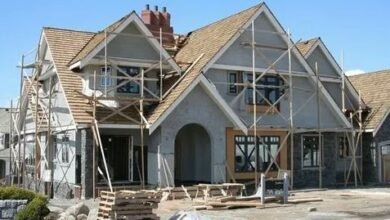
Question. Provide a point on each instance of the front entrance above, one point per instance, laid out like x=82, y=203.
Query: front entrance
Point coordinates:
x=192, y=155
x=123, y=159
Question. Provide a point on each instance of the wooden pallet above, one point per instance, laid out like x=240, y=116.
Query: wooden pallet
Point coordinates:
x=128, y=204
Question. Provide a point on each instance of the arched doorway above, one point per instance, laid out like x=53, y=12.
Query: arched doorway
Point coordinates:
x=192, y=155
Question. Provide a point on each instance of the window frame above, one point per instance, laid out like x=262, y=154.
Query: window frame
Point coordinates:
x=266, y=91
x=106, y=81
x=261, y=152
x=319, y=155
x=128, y=85
x=232, y=88
x=344, y=154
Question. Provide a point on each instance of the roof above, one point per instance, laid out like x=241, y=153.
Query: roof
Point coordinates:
x=208, y=41
x=95, y=40
x=64, y=45
x=375, y=90
x=305, y=46
x=4, y=120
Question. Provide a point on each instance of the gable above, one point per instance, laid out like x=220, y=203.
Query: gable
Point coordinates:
x=240, y=51
x=325, y=68
x=131, y=43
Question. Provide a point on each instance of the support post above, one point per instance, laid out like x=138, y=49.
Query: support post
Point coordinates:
x=254, y=100
x=94, y=141
x=291, y=127
x=141, y=102
x=262, y=187
x=49, y=141
x=285, y=188
x=11, y=145
x=319, y=128
x=161, y=71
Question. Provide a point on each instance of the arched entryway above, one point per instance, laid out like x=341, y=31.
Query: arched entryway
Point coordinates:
x=192, y=155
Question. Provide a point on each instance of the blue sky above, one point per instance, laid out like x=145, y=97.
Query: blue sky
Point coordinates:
x=359, y=28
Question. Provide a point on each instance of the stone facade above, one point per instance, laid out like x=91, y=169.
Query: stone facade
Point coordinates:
x=309, y=177
x=86, y=163
x=9, y=208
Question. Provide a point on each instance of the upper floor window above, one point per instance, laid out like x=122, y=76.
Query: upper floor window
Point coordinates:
x=267, y=86
x=233, y=79
x=105, y=79
x=129, y=87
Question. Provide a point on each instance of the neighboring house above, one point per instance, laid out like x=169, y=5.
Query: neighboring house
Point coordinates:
x=4, y=142
x=375, y=91
x=201, y=130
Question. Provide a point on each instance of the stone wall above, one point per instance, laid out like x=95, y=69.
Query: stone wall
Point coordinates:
x=9, y=208
x=86, y=163
x=309, y=177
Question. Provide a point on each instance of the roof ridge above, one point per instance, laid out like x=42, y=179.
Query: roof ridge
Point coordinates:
x=225, y=18
x=68, y=29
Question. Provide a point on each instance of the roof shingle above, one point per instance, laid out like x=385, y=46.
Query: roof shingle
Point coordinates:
x=375, y=90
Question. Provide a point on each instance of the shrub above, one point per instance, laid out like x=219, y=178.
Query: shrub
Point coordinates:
x=36, y=203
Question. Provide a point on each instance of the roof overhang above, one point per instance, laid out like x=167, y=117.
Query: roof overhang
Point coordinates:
x=133, y=18
x=378, y=127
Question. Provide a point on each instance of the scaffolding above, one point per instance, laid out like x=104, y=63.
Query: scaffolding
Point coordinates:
x=41, y=107
x=355, y=116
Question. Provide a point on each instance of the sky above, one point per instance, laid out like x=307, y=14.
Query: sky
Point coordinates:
x=358, y=28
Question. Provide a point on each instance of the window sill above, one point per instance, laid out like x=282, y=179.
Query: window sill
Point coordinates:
x=261, y=109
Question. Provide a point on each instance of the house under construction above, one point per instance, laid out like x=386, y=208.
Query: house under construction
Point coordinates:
x=137, y=105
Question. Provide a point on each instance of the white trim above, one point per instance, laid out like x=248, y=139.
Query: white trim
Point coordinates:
x=132, y=18
x=123, y=62
x=381, y=122
x=213, y=94
x=329, y=79
x=75, y=65
x=250, y=69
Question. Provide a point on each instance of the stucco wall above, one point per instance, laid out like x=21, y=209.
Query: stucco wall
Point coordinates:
x=196, y=108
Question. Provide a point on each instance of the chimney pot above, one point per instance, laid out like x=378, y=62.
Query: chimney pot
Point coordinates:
x=164, y=9
x=147, y=7
x=156, y=8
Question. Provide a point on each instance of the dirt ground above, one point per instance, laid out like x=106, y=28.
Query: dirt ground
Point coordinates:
x=371, y=203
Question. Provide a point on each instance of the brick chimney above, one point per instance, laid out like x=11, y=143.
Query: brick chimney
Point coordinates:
x=155, y=20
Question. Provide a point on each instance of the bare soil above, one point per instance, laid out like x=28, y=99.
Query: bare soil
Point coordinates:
x=337, y=204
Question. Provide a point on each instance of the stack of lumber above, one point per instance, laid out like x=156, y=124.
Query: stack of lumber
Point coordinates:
x=231, y=202
x=129, y=204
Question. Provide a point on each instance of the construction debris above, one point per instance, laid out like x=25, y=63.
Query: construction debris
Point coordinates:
x=129, y=204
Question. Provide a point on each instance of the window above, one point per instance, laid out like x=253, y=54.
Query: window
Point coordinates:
x=268, y=86
x=105, y=79
x=343, y=147
x=129, y=87
x=245, y=152
x=311, y=151
x=62, y=147
x=233, y=79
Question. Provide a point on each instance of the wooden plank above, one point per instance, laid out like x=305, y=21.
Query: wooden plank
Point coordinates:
x=304, y=200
